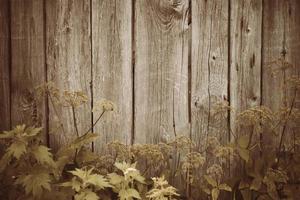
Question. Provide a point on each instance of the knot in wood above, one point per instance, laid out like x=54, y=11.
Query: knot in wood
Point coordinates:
x=170, y=8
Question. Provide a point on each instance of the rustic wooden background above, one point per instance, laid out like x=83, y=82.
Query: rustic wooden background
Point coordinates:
x=162, y=62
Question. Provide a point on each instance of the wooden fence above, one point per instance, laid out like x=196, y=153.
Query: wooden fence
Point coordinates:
x=163, y=63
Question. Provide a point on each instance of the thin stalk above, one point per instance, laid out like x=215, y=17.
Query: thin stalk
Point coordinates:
x=56, y=113
x=75, y=121
x=98, y=119
x=285, y=124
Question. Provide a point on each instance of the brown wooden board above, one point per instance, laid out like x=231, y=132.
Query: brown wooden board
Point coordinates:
x=161, y=71
x=112, y=69
x=281, y=40
x=245, y=61
x=4, y=65
x=68, y=64
x=209, y=70
x=27, y=61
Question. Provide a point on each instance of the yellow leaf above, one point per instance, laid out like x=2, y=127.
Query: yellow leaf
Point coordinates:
x=35, y=183
x=243, y=141
x=244, y=154
x=225, y=187
x=215, y=193
x=42, y=155
x=211, y=181
x=17, y=149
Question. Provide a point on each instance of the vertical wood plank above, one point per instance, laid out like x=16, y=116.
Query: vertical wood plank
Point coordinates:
x=245, y=63
x=209, y=69
x=4, y=65
x=28, y=61
x=69, y=63
x=161, y=70
x=245, y=56
x=281, y=41
x=112, y=68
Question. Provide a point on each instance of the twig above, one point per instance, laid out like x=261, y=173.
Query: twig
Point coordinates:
x=285, y=124
x=56, y=113
x=95, y=123
x=75, y=121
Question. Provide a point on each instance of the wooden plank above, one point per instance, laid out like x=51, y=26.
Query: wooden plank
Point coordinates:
x=112, y=68
x=69, y=63
x=4, y=65
x=209, y=70
x=245, y=64
x=161, y=70
x=281, y=41
x=28, y=61
x=245, y=57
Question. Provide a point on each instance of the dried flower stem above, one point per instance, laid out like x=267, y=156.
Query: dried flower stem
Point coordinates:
x=285, y=124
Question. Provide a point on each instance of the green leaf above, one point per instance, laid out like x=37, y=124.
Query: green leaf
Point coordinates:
x=243, y=141
x=42, y=155
x=225, y=187
x=127, y=194
x=86, y=195
x=35, y=183
x=98, y=180
x=244, y=154
x=7, y=135
x=74, y=184
x=82, y=140
x=32, y=131
x=215, y=193
x=211, y=181
x=17, y=149
x=115, y=179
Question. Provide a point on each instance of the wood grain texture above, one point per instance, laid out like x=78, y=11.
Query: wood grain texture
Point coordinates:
x=69, y=63
x=281, y=41
x=112, y=68
x=28, y=61
x=4, y=65
x=209, y=69
x=245, y=56
x=161, y=70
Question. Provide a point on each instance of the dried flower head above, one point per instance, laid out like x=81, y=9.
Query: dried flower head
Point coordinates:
x=150, y=153
x=104, y=105
x=182, y=143
x=193, y=161
x=47, y=89
x=120, y=151
x=259, y=117
x=74, y=98
x=215, y=171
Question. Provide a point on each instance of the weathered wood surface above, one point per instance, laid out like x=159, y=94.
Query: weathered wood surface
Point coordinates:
x=161, y=71
x=4, y=65
x=68, y=63
x=112, y=68
x=27, y=61
x=245, y=56
x=209, y=79
x=281, y=41
x=135, y=53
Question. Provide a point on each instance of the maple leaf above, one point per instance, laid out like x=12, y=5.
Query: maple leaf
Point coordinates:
x=17, y=149
x=42, y=155
x=86, y=195
x=74, y=183
x=98, y=180
x=127, y=194
x=35, y=183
